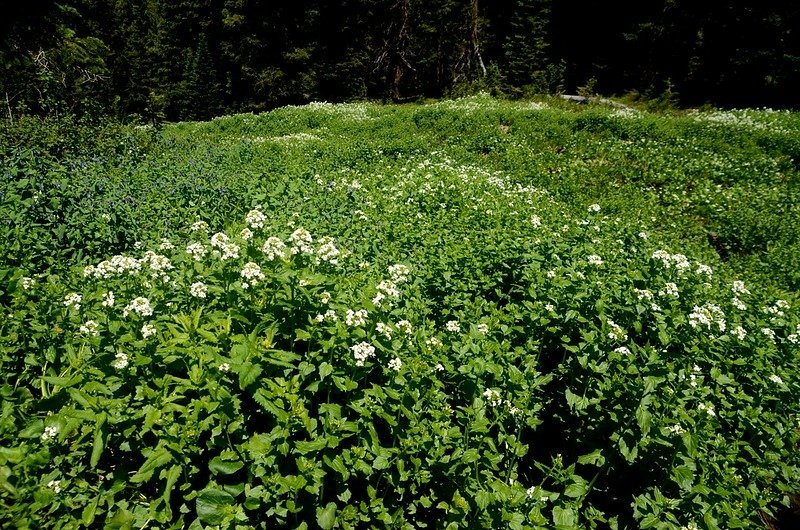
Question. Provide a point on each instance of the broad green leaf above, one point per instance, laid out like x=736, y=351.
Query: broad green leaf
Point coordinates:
x=326, y=517
x=325, y=370
x=211, y=506
x=303, y=447
x=218, y=466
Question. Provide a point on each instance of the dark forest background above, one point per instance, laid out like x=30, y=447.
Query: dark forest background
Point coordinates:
x=193, y=59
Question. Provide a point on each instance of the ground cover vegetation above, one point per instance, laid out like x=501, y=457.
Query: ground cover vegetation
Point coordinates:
x=465, y=314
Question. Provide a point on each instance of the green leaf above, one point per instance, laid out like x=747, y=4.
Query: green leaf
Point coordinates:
x=380, y=462
x=89, y=512
x=325, y=370
x=516, y=521
x=159, y=457
x=312, y=446
x=97, y=447
x=483, y=498
x=563, y=517
x=248, y=374
x=211, y=504
x=326, y=517
x=684, y=476
x=594, y=458
x=218, y=466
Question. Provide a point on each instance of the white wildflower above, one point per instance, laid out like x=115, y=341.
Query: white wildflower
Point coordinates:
x=273, y=248
x=73, y=300
x=301, y=241
x=676, y=429
x=399, y=273
x=198, y=290
x=433, y=342
x=148, y=330
x=224, y=367
x=706, y=316
x=738, y=304
x=246, y=234
x=27, y=282
x=362, y=351
x=395, y=364
x=493, y=397
x=166, y=244
x=594, y=259
x=776, y=379
x=616, y=332
x=199, y=226
x=255, y=219
x=355, y=318
x=121, y=361
x=739, y=332
x=89, y=328
x=643, y=235
x=482, y=328
x=139, y=305
x=738, y=288
x=327, y=251
x=219, y=239
x=252, y=273
x=536, y=221
x=405, y=326
x=50, y=432
x=707, y=408
x=108, y=299
x=229, y=251
x=704, y=269
x=453, y=325
x=770, y=334
x=670, y=289
x=594, y=208
x=623, y=350
x=55, y=485
x=384, y=329
x=196, y=250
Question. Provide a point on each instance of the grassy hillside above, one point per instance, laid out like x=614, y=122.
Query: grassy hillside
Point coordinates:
x=470, y=313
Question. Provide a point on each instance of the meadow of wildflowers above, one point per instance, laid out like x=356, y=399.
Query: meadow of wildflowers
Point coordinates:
x=418, y=319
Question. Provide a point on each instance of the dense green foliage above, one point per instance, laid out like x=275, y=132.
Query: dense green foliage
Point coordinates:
x=466, y=314
x=157, y=59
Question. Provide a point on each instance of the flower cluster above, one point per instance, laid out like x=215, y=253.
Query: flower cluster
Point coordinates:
x=139, y=305
x=116, y=266
x=679, y=261
x=301, y=241
x=273, y=248
x=327, y=251
x=255, y=219
x=355, y=318
x=89, y=328
x=616, y=332
x=197, y=251
x=493, y=397
x=398, y=273
x=594, y=259
x=707, y=315
x=252, y=273
x=362, y=351
x=198, y=290
x=73, y=300
x=120, y=361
